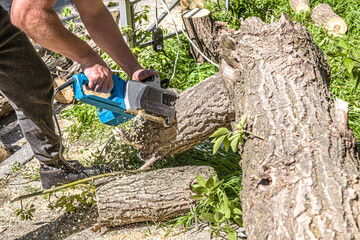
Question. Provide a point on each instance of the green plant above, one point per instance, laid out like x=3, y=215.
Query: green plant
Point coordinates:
x=350, y=62
x=16, y=166
x=230, y=139
x=220, y=209
x=25, y=213
x=76, y=202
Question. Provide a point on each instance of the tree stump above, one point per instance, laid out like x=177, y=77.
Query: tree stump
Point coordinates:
x=323, y=15
x=300, y=5
x=5, y=107
x=147, y=196
x=200, y=27
x=301, y=178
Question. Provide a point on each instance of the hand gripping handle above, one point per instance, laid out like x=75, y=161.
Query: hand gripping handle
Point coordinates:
x=114, y=103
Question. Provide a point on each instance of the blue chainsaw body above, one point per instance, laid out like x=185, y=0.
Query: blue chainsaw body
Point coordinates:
x=111, y=110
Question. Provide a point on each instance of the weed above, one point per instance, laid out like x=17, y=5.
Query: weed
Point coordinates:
x=25, y=213
x=76, y=202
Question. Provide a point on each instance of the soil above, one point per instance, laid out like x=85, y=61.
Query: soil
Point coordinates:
x=57, y=223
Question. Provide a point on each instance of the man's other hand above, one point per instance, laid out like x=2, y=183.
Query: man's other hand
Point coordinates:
x=142, y=74
x=99, y=75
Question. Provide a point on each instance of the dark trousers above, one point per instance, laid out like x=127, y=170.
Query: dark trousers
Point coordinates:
x=26, y=82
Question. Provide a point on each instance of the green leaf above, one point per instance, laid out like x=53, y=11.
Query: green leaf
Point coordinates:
x=218, y=217
x=235, y=144
x=216, y=186
x=210, y=182
x=201, y=190
x=196, y=197
x=343, y=44
x=208, y=217
x=220, y=132
x=242, y=140
x=232, y=236
x=227, y=143
x=349, y=64
x=235, y=135
x=237, y=211
x=201, y=181
x=238, y=220
x=218, y=143
x=243, y=120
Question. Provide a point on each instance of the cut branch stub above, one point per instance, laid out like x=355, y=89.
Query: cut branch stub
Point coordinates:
x=300, y=5
x=148, y=196
x=200, y=27
x=323, y=15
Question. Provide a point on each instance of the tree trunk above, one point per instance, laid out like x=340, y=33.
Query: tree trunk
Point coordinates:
x=201, y=29
x=323, y=15
x=5, y=107
x=148, y=196
x=300, y=5
x=301, y=179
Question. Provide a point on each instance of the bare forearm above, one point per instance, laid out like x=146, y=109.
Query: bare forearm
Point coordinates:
x=107, y=35
x=44, y=26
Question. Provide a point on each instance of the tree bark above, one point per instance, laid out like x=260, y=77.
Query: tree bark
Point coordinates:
x=323, y=15
x=148, y=196
x=300, y=5
x=4, y=152
x=5, y=107
x=301, y=179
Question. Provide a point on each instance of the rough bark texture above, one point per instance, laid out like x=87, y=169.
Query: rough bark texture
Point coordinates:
x=323, y=15
x=301, y=180
x=5, y=107
x=300, y=5
x=148, y=196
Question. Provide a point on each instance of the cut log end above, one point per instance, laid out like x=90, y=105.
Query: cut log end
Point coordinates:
x=300, y=5
x=323, y=15
x=302, y=8
x=197, y=13
x=337, y=26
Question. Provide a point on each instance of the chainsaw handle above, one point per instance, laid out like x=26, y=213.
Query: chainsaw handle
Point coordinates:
x=80, y=80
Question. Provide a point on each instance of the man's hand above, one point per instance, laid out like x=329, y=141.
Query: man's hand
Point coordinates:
x=142, y=74
x=99, y=75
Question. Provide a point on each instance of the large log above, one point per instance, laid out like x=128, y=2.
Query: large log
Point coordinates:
x=301, y=179
x=323, y=15
x=147, y=196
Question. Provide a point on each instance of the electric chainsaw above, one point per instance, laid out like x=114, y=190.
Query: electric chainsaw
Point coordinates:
x=129, y=98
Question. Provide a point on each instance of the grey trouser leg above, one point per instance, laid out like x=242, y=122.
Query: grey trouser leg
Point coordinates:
x=26, y=82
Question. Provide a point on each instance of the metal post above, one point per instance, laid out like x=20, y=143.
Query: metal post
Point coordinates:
x=126, y=20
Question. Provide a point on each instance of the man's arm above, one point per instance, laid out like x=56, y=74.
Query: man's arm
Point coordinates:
x=38, y=20
x=105, y=32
